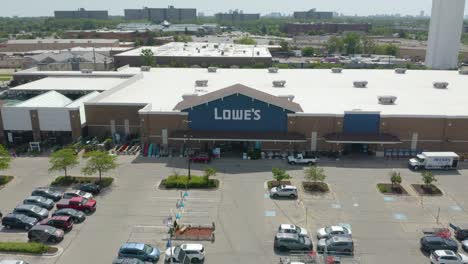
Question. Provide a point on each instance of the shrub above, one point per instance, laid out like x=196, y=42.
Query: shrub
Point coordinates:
x=181, y=181
x=315, y=187
x=5, y=179
x=70, y=180
x=272, y=184
x=383, y=188
x=24, y=247
x=279, y=174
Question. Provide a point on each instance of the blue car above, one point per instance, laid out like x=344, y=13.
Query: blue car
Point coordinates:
x=140, y=251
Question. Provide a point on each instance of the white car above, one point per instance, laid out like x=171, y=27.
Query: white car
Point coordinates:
x=13, y=262
x=77, y=193
x=288, y=228
x=448, y=257
x=284, y=191
x=196, y=253
x=330, y=231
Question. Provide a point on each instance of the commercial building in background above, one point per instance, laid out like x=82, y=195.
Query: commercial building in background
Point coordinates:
x=69, y=61
x=82, y=14
x=444, y=34
x=24, y=45
x=312, y=14
x=379, y=112
x=327, y=28
x=159, y=15
x=200, y=54
x=236, y=16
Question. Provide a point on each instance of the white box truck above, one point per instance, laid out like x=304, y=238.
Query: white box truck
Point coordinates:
x=435, y=160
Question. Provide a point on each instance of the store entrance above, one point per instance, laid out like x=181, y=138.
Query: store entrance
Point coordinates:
x=356, y=149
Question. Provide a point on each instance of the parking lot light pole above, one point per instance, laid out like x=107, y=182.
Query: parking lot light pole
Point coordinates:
x=188, y=137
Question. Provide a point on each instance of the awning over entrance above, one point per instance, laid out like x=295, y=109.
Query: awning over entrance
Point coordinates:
x=362, y=139
x=237, y=136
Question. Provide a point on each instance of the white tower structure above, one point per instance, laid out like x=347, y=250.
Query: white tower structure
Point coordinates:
x=444, y=34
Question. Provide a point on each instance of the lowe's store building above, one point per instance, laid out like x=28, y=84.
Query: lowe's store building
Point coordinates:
x=380, y=112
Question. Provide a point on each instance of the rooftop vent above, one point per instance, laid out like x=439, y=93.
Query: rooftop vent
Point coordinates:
x=273, y=70
x=400, y=70
x=441, y=85
x=337, y=70
x=279, y=83
x=360, y=84
x=212, y=69
x=201, y=83
x=289, y=97
x=463, y=72
x=387, y=99
x=86, y=71
x=234, y=67
x=145, y=68
x=188, y=96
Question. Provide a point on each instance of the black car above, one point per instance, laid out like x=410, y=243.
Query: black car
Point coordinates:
x=44, y=233
x=18, y=221
x=89, y=187
x=32, y=211
x=461, y=231
x=431, y=243
x=77, y=216
x=47, y=193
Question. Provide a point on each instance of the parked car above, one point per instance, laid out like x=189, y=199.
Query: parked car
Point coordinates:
x=329, y=231
x=127, y=261
x=1, y=215
x=13, y=261
x=432, y=243
x=336, y=245
x=40, y=201
x=32, y=211
x=44, y=233
x=140, y=251
x=18, y=221
x=61, y=222
x=293, y=229
x=301, y=160
x=287, y=241
x=77, y=193
x=202, y=157
x=461, y=231
x=78, y=203
x=47, y=193
x=464, y=244
x=448, y=257
x=90, y=188
x=195, y=252
x=284, y=191
x=76, y=216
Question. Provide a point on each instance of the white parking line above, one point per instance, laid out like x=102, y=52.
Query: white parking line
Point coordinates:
x=188, y=199
x=151, y=226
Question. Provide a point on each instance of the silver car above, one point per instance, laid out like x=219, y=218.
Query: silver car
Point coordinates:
x=336, y=245
x=288, y=241
x=284, y=191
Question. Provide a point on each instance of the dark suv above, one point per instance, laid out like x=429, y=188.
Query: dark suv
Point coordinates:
x=43, y=233
x=32, y=211
x=461, y=231
x=431, y=243
x=47, y=193
x=18, y=221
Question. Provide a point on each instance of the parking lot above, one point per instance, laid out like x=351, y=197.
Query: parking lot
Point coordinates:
x=386, y=229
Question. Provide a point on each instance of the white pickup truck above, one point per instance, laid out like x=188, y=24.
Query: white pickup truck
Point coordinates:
x=299, y=159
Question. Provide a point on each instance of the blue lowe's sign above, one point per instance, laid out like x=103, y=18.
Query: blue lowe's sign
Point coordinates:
x=238, y=113
x=361, y=123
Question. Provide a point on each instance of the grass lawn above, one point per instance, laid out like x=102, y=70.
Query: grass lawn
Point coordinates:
x=25, y=247
x=71, y=180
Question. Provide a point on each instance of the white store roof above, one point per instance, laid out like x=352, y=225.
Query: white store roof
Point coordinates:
x=319, y=92
x=71, y=84
x=49, y=99
x=202, y=49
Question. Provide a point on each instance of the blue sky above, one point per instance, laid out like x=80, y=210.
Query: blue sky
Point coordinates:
x=348, y=7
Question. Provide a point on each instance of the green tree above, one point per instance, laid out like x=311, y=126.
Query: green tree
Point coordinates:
x=308, y=52
x=428, y=178
x=334, y=45
x=245, y=41
x=99, y=161
x=315, y=174
x=368, y=45
x=392, y=49
x=285, y=46
x=62, y=160
x=279, y=174
x=352, y=43
x=209, y=172
x=148, y=57
x=5, y=158
x=395, y=178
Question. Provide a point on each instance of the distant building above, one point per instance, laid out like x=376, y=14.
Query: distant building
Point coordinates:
x=122, y=35
x=236, y=16
x=159, y=15
x=69, y=61
x=82, y=13
x=312, y=14
x=23, y=45
x=328, y=28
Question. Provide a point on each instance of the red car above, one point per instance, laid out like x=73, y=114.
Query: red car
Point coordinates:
x=78, y=203
x=202, y=157
x=61, y=222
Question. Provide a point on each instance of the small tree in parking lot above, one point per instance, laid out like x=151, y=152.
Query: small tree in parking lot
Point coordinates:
x=5, y=158
x=62, y=160
x=314, y=174
x=428, y=178
x=279, y=174
x=99, y=161
x=395, y=178
x=209, y=171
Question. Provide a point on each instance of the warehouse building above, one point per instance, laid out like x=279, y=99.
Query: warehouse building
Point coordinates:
x=24, y=45
x=328, y=28
x=159, y=15
x=198, y=53
x=82, y=14
x=372, y=111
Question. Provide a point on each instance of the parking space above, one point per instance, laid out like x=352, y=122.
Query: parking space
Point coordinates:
x=386, y=229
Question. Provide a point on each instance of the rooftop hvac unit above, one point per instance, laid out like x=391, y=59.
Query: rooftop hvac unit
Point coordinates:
x=188, y=96
x=234, y=67
x=400, y=70
x=145, y=68
x=87, y=71
x=279, y=83
x=201, y=83
x=387, y=99
x=360, y=84
x=289, y=97
x=441, y=85
x=463, y=72
x=212, y=69
x=273, y=70
x=337, y=70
